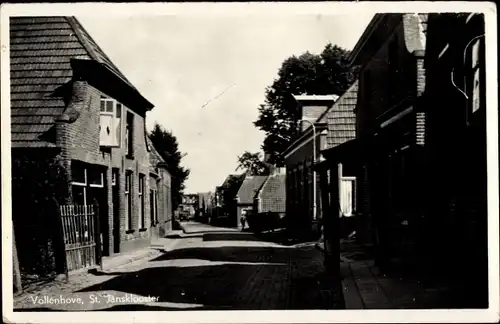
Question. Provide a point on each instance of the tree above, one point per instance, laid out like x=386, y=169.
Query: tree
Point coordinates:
x=167, y=146
x=319, y=74
x=252, y=164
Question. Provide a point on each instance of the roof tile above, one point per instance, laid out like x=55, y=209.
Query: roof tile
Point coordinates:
x=273, y=194
x=249, y=188
x=341, y=118
x=40, y=53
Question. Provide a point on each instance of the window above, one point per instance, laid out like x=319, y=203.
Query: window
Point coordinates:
x=141, y=200
x=129, y=135
x=84, y=176
x=110, y=122
x=95, y=178
x=128, y=199
x=153, y=197
x=474, y=75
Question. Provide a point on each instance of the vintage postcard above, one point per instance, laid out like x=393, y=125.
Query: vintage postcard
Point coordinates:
x=250, y=162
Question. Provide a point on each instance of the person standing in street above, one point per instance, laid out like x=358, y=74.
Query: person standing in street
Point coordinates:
x=243, y=221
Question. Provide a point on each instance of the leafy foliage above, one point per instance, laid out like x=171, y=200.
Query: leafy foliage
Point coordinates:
x=326, y=73
x=167, y=146
x=37, y=179
x=252, y=163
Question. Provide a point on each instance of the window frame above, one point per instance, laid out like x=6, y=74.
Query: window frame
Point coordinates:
x=129, y=135
x=142, y=209
x=475, y=66
x=128, y=200
x=154, y=206
x=115, y=114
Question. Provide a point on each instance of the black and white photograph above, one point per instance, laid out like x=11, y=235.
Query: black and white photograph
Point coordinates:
x=212, y=162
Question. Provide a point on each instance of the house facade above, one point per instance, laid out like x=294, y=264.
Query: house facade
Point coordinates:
x=70, y=103
x=224, y=203
x=244, y=200
x=334, y=124
x=160, y=194
x=270, y=202
x=188, y=206
x=420, y=150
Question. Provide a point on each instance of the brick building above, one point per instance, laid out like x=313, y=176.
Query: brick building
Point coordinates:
x=70, y=102
x=420, y=150
x=334, y=123
x=160, y=194
x=270, y=201
x=225, y=202
x=245, y=197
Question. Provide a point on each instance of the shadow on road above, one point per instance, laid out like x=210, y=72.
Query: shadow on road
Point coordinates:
x=272, y=282
x=228, y=254
x=217, y=286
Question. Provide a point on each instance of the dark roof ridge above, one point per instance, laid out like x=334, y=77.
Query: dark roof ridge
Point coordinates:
x=72, y=21
x=79, y=29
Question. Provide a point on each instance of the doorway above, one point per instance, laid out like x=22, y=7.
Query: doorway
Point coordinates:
x=89, y=186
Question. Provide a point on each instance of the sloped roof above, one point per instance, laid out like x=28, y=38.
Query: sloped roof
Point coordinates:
x=341, y=118
x=273, y=194
x=40, y=53
x=249, y=188
x=231, y=185
x=154, y=156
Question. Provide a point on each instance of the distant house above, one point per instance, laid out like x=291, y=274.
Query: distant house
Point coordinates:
x=225, y=202
x=188, y=205
x=204, y=205
x=71, y=106
x=334, y=123
x=270, y=201
x=245, y=196
x=160, y=194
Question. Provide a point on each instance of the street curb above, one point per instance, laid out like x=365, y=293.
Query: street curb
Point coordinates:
x=125, y=259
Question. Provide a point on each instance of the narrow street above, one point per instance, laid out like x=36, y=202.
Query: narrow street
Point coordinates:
x=209, y=268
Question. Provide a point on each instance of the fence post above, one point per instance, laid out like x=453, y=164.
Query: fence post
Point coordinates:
x=60, y=246
x=15, y=262
x=97, y=234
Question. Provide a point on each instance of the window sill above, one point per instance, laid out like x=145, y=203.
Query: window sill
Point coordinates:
x=130, y=231
x=153, y=225
x=130, y=157
x=142, y=229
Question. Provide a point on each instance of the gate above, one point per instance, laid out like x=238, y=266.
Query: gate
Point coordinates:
x=81, y=234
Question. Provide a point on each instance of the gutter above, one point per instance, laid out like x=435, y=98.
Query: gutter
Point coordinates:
x=290, y=149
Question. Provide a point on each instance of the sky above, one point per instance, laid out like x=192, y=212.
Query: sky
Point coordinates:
x=181, y=62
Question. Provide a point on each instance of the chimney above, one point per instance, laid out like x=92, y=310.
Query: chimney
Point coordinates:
x=311, y=107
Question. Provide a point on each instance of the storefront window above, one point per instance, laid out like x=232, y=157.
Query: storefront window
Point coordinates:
x=79, y=195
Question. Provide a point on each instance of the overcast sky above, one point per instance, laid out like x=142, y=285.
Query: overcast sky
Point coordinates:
x=181, y=62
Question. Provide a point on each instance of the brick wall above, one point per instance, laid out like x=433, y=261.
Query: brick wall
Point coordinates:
x=386, y=80
x=79, y=140
x=299, y=183
x=312, y=113
x=457, y=145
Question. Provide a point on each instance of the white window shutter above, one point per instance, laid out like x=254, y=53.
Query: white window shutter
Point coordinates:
x=106, y=134
x=117, y=132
